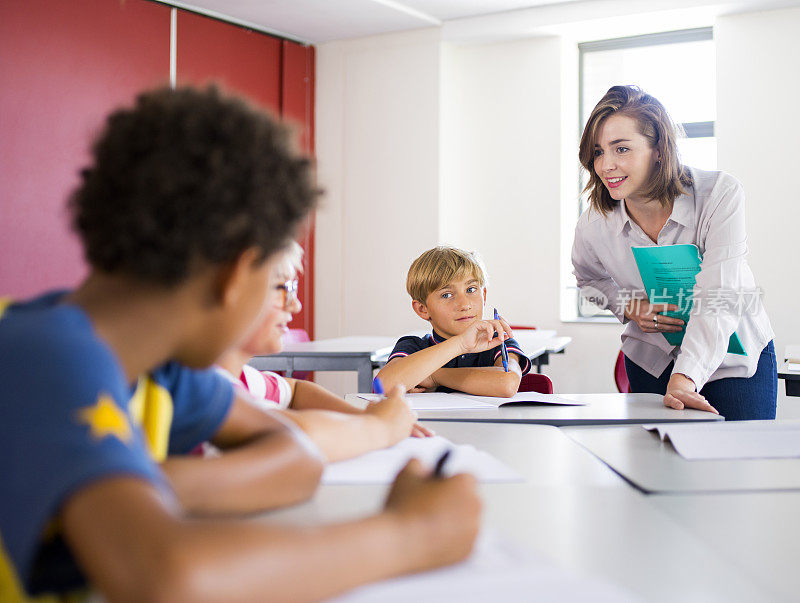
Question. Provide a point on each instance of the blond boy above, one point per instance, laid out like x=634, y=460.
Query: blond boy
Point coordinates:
x=462, y=353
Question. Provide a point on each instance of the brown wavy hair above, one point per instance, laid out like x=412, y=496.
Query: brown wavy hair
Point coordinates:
x=670, y=178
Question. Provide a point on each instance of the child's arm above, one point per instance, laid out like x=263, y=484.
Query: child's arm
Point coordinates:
x=483, y=381
x=413, y=369
x=267, y=463
x=307, y=394
x=342, y=436
x=133, y=546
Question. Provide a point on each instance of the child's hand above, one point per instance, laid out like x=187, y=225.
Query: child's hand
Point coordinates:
x=420, y=431
x=395, y=414
x=428, y=384
x=480, y=335
x=442, y=516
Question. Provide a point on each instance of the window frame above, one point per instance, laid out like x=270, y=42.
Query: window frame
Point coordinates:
x=700, y=129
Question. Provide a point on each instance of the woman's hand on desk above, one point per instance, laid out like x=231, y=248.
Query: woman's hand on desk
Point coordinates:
x=649, y=318
x=439, y=516
x=681, y=394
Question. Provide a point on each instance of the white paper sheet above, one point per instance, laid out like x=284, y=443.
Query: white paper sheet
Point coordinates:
x=459, y=401
x=497, y=570
x=438, y=401
x=381, y=466
x=523, y=397
x=739, y=440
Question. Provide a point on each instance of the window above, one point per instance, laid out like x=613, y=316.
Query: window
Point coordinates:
x=678, y=68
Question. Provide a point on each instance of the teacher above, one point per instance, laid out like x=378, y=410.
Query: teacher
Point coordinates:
x=641, y=195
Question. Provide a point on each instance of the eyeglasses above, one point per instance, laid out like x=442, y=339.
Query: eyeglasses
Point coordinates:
x=288, y=294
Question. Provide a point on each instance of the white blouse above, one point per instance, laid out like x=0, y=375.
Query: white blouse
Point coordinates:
x=726, y=299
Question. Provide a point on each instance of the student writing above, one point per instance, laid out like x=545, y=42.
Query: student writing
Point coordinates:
x=188, y=200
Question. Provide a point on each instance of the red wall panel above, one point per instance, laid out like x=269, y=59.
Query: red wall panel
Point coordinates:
x=297, y=108
x=244, y=61
x=63, y=66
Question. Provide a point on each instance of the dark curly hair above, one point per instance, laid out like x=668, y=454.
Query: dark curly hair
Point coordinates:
x=188, y=177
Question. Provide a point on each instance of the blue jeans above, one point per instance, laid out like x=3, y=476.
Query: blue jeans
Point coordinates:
x=736, y=398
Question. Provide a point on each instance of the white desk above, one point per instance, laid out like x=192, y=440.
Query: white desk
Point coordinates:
x=533, y=339
x=366, y=353
x=361, y=354
x=655, y=467
x=573, y=510
x=758, y=534
x=601, y=409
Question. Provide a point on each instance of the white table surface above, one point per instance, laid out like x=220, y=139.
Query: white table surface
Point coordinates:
x=601, y=409
x=574, y=511
x=373, y=345
x=756, y=533
x=654, y=466
x=533, y=338
x=533, y=342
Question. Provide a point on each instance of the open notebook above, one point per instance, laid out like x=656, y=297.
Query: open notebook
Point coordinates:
x=381, y=466
x=460, y=401
x=735, y=440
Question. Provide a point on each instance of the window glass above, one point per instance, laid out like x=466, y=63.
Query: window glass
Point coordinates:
x=679, y=69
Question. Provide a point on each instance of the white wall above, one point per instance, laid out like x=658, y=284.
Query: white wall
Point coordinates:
x=503, y=188
x=480, y=152
x=377, y=137
x=758, y=92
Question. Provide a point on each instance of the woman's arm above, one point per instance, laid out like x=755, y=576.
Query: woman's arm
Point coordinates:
x=593, y=279
x=709, y=329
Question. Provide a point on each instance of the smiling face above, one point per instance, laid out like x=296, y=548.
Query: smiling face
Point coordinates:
x=268, y=338
x=623, y=158
x=453, y=307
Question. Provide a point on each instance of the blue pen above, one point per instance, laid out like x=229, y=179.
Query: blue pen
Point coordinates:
x=503, y=350
x=438, y=470
x=377, y=386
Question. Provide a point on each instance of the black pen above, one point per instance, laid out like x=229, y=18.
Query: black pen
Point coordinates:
x=439, y=467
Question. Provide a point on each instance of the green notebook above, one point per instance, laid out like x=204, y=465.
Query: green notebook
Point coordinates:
x=670, y=270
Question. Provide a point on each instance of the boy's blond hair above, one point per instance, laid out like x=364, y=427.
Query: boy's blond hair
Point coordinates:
x=439, y=266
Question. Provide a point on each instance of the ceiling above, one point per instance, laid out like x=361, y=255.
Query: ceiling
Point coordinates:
x=316, y=21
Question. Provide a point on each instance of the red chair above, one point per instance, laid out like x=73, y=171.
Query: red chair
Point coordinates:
x=536, y=382
x=297, y=336
x=620, y=376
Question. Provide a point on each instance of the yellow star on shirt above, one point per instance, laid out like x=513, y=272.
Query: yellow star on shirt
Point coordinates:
x=106, y=418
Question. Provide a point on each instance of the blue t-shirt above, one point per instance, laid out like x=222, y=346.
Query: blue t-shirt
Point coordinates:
x=65, y=422
x=410, y=344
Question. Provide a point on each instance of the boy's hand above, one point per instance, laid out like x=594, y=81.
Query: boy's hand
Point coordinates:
x=395, y=414
x=443, y=514
x=480, y=335
x=428, y=384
